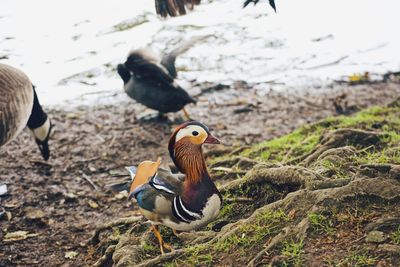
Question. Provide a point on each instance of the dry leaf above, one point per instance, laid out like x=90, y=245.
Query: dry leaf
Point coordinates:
x=17, y=235
x=93, y=204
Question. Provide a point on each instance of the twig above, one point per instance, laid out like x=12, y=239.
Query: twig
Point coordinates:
x=87, y=178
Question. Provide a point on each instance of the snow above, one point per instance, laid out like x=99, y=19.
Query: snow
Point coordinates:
x=70, y=48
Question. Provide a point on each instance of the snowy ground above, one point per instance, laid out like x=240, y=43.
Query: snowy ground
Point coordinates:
x=70, y=48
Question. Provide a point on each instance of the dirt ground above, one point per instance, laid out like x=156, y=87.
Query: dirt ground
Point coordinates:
x=62, y=201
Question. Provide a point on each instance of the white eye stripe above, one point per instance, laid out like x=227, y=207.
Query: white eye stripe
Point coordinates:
x=188, y=130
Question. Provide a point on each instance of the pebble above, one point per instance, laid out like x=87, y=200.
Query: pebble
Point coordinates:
x=375, y=237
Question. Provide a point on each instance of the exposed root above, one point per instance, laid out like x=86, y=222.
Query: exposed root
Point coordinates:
x=341, y=138
x=158, y=261
x=106, y=259
x=381, y=223
x=294, y=176
x=130, y=220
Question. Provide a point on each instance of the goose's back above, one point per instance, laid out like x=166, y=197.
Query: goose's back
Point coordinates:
x=16, y=101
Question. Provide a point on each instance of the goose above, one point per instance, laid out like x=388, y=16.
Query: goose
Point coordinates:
x=20, y=107
x=178, y=7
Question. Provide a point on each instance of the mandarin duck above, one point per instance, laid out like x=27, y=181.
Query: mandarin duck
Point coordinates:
x=185, y=201
x=20, y=107
x=150, y=80
x=178, y=7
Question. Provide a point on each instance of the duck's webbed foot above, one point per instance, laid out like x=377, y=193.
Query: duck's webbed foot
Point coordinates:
x=160, y=240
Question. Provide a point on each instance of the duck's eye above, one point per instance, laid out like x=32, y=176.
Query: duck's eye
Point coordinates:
x=195, y=133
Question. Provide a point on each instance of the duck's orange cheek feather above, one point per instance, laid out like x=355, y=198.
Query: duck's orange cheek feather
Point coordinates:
x=198, y=140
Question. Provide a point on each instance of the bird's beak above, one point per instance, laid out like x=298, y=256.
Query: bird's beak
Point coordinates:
x=44, y=148
x=211, y=140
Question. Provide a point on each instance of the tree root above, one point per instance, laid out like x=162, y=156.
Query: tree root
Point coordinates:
x=341, y=138
x=157, y=261
x=129, y=220
x=106, y=259
x=294, y=176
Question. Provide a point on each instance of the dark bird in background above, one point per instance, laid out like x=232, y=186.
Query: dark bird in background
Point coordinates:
x=178, y=7
x=150, y=80
x=20, y=107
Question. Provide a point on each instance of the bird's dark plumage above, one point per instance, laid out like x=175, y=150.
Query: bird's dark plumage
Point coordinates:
x=178, y=7
x=20, y=107
x=150, y=80
x=174, y=7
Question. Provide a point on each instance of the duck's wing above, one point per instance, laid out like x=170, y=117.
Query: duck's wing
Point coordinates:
x=174, y=7
x=145, y=65
x=158, y=195
x=168, y=60
x=164, y=180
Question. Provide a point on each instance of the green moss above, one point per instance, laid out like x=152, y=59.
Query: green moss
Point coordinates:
x=357, y=260
x=294, y=251
x=303, y=140
x=251, y=235
x=194, y=256
x=149, y=247
x=321, y=224
x=395, y=236
x=286, y=147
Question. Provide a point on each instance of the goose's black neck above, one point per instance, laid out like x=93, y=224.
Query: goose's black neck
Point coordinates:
x=38, y=116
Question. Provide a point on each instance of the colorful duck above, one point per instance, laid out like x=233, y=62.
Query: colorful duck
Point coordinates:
x=183, y=202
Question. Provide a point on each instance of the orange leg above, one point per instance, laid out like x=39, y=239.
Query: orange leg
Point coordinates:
x=187, y=116
x=160, y=240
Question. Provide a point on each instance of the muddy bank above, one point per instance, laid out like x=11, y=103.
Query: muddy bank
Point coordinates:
x=60, y=203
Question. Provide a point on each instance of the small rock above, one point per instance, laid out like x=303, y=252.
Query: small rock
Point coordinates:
x=375, y=237
x=33, y=213
x=71, y=255
x=3, y=189
x=93, y=204
x=121, y=195
x=70, y=196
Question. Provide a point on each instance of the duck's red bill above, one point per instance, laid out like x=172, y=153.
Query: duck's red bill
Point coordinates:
x=211, y=140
